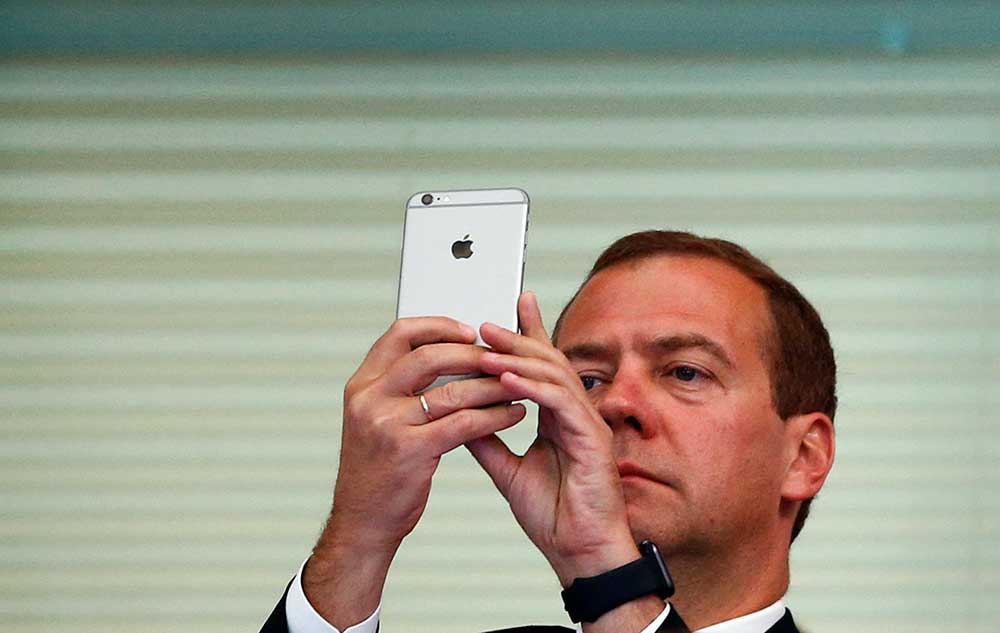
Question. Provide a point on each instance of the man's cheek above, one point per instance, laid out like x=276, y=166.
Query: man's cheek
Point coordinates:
x=645, y=505
x=637, y=505
x=638, y=519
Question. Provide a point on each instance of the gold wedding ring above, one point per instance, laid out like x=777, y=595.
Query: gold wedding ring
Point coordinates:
x=427, y=409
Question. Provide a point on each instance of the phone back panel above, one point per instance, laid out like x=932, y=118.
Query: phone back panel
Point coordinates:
x=438, y=279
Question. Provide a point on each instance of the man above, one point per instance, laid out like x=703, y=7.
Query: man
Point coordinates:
x=687, y=398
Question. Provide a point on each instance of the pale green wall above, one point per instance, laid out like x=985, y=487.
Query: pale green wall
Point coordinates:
x=194, y=255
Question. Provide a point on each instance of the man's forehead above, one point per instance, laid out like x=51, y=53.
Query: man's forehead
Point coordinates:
x=637, y=301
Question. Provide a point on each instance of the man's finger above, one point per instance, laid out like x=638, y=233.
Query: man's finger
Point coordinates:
x=499, y=462
x=464, y=426
x=405, y=335
x=571, y=412
x=529, y=317
x=469, y=393
x=420, y=367
x=529, y=367
x=507, y=342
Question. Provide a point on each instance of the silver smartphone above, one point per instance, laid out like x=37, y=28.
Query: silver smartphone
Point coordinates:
x=463, y=256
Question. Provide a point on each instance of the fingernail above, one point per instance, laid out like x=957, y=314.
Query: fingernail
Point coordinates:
x=468, y=331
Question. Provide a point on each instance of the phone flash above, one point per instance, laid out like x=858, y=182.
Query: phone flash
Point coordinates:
x=447, y=199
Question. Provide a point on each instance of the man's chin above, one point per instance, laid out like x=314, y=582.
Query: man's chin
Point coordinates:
x=643, y=525
x=655, y=519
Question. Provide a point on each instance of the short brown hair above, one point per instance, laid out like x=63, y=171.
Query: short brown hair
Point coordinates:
x=800, y=358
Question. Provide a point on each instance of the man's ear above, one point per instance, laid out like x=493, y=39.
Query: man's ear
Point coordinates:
x=810, y=446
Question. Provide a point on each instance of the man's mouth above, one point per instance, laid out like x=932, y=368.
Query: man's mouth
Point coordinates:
x=631, y=470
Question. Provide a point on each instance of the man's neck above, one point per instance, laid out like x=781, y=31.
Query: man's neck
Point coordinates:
x=710, y=591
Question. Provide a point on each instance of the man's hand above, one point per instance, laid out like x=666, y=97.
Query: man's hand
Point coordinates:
x=565, y=491
x=389, y=451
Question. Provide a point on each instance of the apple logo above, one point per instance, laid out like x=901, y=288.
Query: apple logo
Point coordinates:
x=462, y=249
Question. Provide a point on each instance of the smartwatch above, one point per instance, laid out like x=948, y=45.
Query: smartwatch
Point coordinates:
x=589, y=598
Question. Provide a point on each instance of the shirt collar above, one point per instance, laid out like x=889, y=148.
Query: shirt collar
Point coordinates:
x=756, y=622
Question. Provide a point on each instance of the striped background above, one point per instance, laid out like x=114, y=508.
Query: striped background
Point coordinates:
x=195, y=255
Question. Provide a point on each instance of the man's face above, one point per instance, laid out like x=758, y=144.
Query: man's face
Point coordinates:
x=671, y=349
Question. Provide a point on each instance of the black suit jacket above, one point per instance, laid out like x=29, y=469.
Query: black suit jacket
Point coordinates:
x=673, y=624
x=276, y=623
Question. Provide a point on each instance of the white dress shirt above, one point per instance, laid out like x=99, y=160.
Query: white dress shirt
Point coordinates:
x=302, y=617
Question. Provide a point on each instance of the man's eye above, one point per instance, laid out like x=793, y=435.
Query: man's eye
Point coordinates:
x=589, y=382
x=685, y=373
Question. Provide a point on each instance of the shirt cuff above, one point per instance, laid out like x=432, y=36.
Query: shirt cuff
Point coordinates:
x=655, y=624
x=302, y=617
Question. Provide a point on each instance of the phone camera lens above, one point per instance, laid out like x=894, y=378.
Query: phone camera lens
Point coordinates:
x=427, y=198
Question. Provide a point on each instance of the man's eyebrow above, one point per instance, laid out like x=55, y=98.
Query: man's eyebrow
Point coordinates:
x=673, y=343
x=659, y=345
x=588, y=351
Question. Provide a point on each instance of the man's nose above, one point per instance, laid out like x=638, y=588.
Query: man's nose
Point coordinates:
x=622, y=405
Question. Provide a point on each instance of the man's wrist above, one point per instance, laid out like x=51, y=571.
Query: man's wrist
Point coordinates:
x=302, y=616
x=596, y=562
x=343, y=579
x=589, y=598
x=347, y=533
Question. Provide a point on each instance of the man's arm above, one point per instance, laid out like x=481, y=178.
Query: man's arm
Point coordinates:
x=390, y=449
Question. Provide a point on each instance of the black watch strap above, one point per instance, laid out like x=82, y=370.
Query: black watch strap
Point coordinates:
x=589, y=598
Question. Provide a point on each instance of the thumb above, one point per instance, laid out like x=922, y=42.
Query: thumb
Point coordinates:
x=529, y=317
x=499, y=462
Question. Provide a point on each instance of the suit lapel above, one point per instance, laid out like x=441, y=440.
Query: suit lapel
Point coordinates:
x=276, y=622
x=673, y=623
x=785, y=625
